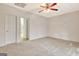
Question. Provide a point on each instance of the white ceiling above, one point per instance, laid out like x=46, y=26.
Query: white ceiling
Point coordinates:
x=62, y=8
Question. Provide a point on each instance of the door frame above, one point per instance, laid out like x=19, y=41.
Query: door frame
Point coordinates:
x=18, y=28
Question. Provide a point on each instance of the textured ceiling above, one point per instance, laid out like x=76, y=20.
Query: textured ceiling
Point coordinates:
x=62, y=8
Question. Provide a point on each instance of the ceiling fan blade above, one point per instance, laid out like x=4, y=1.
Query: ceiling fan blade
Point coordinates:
x=54, y=9
x=43, y=6
x=41, y=11
x=53, y=4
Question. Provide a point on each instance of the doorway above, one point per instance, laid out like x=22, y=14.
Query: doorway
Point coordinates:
x=24, y=28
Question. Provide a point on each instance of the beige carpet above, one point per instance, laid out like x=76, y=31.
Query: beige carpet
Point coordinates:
x=42, y=47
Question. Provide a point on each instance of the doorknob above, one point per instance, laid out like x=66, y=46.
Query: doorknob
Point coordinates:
x=7, y=31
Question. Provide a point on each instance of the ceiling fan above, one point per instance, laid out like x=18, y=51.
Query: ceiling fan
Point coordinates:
x=48, y=6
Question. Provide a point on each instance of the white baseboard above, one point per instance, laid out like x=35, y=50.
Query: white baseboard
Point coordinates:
x=62, y=39
x=1, y=45
x=4, y=44
x=34, y=38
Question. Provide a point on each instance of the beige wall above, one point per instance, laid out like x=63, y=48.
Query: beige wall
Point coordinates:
x=65, y=26
x=38, y=27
